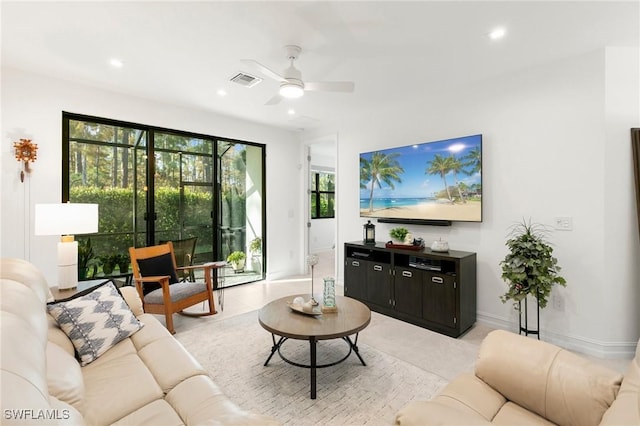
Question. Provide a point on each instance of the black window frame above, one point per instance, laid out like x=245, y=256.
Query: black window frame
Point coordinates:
x=316, y=194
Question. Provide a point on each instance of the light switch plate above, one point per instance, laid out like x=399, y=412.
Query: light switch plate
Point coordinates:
x=563, y=223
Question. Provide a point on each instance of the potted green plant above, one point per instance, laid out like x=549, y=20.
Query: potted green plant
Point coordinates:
x=85, y=256
x=237, y=259
x=255, y=246
x=530, y=267
x=108, y=263
x=398, y=234
x=122, y=260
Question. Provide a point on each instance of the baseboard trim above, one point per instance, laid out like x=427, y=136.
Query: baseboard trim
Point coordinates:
x=587, y=346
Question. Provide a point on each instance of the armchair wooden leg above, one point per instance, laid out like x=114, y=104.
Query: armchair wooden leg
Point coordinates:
x=168, y=315
x=212, y=306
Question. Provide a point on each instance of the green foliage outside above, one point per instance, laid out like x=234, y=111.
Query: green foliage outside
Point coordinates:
x=115, y=228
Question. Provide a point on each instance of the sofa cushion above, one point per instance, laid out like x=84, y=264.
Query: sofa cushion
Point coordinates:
x=96, y=321
x=197, y=397
x=117, y=386
x=158, y=412
x=179, y=291
x=512, y=414
x=66, y=414
x=64, y=377
x=435, y=412
x=468, y=393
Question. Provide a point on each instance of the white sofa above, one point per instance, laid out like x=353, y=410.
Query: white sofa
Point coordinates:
x=522, y=381
x=146, y=379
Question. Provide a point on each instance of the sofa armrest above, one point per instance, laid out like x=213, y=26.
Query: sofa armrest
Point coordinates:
x=130, y=295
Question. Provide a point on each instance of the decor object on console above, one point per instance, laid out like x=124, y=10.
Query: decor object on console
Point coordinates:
x=312, y=260
x=398, y=235
x=440, y=246
x=66, y=219
x=146, y=378
x=26, y=152
x=562, y=388
x=369, y=233
x=529, y=269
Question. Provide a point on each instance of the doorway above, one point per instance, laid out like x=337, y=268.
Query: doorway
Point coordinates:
x=321, y=207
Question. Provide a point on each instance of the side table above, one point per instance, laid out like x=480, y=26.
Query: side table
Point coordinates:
x=83, y=286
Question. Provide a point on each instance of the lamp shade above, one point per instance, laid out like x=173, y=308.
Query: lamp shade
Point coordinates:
x=66, y=219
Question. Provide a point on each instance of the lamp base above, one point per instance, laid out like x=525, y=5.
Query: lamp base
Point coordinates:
x=313, y=301
x=67, y=265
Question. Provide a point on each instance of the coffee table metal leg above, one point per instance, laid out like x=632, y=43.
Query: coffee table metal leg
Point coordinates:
x=312, y=344
x=275, y=347
x=354, y=346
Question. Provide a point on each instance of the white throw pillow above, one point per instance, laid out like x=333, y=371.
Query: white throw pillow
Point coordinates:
x=95, y=321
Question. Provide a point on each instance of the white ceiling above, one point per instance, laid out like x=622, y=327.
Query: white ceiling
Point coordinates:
x=183, y=52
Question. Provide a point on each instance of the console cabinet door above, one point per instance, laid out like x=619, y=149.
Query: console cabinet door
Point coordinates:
x=439, y=299
x=355, y=278
x=378, y=283
x=408, y=291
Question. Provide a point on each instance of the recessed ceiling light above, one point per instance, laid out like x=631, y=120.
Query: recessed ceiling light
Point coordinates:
x=221, y=92
x=497, y=33
x=291, y=112
x=116, y=63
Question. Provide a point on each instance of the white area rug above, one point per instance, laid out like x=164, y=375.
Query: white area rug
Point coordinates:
x=234, y=351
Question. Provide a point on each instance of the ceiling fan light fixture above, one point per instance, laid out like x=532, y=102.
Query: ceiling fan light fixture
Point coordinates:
x=291, y=90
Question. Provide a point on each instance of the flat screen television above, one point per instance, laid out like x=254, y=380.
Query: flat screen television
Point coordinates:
x=434, y=183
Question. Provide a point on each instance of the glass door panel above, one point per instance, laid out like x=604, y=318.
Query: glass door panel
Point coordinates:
x=183, y=192
x=241, y=207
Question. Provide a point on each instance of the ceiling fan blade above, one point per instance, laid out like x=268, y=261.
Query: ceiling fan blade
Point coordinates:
x=330, y=86
x=274, y=101
x=264, y=70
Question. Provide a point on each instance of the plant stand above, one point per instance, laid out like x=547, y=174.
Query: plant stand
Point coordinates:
x=526, y=330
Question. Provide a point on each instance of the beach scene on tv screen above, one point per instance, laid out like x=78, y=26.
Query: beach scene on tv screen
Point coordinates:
x=439, y=180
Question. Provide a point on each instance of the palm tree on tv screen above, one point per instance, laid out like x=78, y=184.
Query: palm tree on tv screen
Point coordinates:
x=382, y=168
x=473, y=159
x=441, y=166
x=456, y=166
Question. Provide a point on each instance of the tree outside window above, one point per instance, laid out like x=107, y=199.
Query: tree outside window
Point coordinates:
x=322, y=195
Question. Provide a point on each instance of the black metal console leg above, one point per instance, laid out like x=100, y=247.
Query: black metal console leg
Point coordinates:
x=312, y=344
x=274, y=348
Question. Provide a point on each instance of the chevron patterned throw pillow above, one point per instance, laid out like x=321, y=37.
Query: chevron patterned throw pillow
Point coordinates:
x=96, y=321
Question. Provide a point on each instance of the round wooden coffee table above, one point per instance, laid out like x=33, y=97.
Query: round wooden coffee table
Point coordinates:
x=280, y=320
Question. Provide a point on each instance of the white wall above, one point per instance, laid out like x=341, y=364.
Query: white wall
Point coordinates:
x=32, y=108
x=555, y=143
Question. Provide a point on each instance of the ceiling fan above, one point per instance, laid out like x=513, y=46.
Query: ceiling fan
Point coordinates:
x=291, y=84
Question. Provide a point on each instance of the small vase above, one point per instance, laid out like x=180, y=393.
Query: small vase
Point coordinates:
x=329, y=294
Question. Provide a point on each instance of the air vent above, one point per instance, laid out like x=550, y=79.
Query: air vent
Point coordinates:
x=246, y=80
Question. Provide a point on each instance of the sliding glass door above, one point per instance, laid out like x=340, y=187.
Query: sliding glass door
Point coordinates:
x=155, y=185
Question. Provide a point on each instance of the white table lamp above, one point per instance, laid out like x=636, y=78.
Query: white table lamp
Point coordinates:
x=66, y=219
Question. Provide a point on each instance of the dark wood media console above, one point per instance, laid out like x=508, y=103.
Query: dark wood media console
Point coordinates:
x=429, y=289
